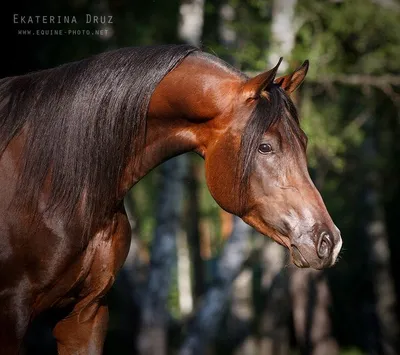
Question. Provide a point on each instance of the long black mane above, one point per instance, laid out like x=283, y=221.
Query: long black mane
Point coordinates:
x=83, y=121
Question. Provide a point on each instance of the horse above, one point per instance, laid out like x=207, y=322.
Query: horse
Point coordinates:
x=74, y=139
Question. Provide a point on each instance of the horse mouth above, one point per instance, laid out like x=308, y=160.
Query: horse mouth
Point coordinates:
x=281, y=239
x=298, y=259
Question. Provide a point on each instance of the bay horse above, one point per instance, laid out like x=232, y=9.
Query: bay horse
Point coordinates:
x=74, y=139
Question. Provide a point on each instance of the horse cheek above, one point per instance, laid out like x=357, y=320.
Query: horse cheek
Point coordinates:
x=221, y=178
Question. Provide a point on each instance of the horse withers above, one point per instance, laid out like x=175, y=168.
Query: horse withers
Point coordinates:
x=74, y=139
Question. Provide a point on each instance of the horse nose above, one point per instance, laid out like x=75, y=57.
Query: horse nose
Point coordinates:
x=324, y=246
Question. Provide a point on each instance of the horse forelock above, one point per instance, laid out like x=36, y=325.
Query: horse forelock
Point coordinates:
x=84, y=121
x=276, y=108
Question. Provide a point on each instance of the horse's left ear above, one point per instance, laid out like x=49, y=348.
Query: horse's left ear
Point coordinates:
x=291, y=82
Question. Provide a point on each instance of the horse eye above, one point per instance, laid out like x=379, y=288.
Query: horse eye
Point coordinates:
x=265, y=148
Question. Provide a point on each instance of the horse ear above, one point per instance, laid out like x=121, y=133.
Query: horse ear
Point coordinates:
x=256, y=85
x=291, y=82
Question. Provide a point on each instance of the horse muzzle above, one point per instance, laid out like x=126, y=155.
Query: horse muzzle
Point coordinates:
x=318, y=252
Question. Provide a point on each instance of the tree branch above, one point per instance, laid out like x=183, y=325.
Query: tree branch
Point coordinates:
x=383, y=82
x=360, y=79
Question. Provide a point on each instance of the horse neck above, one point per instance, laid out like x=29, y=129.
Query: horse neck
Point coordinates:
x=187, y=110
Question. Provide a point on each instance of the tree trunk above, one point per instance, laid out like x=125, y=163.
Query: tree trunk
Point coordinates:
x=190, y=27
x=152, y=339
x=311, y=302
x=275, y=315
x=205, y=325
x=283, y=32
x=193, y=229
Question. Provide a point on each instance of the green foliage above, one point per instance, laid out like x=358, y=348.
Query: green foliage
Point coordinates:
x=322, y=127
x=348, y=37
x=332, y=129
x=251, y=21
x=357, y=37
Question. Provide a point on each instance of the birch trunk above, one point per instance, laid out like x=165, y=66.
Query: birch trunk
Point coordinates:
x=283, y=32
x=205, y=325
x=153, y=335
x=190, y=27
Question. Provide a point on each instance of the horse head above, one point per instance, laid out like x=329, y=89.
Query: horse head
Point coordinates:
x=257, y=169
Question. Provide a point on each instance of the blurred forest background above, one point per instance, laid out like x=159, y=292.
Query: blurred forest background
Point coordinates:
x=197, y=280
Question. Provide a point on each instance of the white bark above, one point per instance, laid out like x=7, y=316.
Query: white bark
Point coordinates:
x=283, y=31
x=204, y=328
x=153, y=335
x=184, y=282
x=190, y=27
x=227, y=34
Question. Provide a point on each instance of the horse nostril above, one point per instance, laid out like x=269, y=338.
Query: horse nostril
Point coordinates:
x=324, y=247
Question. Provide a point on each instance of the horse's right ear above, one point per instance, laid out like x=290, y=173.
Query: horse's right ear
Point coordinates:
x=255, y=86
x=291, y=82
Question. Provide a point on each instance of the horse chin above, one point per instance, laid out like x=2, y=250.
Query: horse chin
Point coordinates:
x=298, y=259
x=304, y=259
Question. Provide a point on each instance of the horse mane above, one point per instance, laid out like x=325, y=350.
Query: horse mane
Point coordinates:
x=83, y=121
